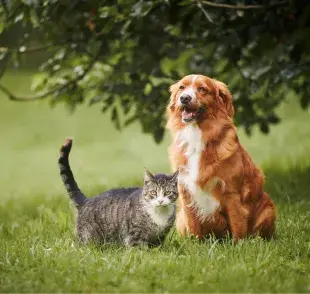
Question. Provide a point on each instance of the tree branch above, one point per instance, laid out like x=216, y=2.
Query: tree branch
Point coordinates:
x=41, y=96
x=24, y=49
x=243, y=7
x=199, y=5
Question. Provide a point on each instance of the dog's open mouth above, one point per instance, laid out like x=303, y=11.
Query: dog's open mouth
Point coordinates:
x=189, y=114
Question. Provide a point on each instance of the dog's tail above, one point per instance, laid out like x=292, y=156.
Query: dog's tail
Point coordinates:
x=71, y=186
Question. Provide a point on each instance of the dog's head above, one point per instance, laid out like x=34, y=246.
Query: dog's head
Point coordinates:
x=197, y=97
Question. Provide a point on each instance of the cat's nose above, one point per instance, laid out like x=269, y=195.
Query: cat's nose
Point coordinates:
x=160, y=201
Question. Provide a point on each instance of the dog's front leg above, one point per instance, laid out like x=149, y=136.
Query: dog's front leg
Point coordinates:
x=187, y=221
x=238, y=216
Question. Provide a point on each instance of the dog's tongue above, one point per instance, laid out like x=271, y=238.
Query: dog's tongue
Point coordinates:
x=188, y=114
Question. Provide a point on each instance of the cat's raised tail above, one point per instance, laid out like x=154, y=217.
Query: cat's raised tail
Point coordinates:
x=76, y=195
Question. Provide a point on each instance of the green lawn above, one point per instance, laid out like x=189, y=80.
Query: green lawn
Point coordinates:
x=38, y=252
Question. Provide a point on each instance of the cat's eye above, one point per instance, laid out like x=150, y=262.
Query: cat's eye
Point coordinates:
x=153, y=193
x=168, y=193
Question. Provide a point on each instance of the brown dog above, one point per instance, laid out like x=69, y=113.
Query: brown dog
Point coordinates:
x=221, y=190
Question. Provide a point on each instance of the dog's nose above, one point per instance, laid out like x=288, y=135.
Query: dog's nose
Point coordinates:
x=185, y=99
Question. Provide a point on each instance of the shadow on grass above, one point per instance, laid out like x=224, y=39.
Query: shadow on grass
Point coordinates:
x=290, y=185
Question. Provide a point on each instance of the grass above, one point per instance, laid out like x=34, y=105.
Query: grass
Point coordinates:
x=38, y=252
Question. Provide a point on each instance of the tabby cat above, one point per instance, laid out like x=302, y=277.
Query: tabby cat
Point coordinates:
x=131, y=216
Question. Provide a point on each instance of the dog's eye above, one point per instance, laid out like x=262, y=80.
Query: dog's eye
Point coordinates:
x=182, y=87
x=202, y=90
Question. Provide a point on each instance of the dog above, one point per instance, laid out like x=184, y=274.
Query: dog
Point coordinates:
x=221, y=189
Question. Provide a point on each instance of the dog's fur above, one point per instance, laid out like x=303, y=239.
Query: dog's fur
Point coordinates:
x=220, y=188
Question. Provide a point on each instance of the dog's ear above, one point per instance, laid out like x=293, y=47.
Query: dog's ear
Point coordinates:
x=173, y=90
x=224, y=97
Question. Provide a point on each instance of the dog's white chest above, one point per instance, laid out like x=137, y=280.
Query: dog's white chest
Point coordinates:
x=190, y=138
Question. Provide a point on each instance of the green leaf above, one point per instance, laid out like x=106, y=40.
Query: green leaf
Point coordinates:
x=108, y=11
x=264, y=127
x=115, y=118
x=39, y=81
x=141, y=8
x=147, y=89
x=273, y=118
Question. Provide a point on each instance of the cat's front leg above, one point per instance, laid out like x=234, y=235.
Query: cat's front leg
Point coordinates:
x=134, y=239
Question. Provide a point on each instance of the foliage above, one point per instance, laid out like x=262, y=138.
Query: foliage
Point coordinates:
x=123, y=55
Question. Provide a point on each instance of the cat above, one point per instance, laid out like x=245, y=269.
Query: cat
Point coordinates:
x=129, y=216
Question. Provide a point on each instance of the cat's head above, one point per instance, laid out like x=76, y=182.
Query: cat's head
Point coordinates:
x=160, y=190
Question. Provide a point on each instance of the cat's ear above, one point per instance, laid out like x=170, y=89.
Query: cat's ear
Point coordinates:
x=148, y=176
x=175, y=176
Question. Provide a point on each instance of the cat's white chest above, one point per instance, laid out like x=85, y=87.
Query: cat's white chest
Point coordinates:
x=190, y=138
x=161, y=215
